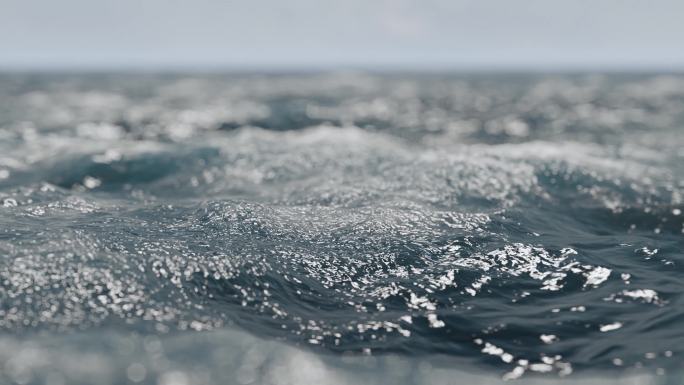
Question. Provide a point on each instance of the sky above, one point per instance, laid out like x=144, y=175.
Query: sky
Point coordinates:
x=310, y=34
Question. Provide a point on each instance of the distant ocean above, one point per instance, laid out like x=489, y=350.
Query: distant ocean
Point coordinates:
x=341, y=228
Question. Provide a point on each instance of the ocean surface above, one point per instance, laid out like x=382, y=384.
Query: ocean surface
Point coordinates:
x=341, y=228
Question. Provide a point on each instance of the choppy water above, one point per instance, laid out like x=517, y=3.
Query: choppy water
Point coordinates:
x=170, y=228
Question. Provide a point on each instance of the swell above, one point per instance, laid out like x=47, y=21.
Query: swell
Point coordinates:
x=532, y=231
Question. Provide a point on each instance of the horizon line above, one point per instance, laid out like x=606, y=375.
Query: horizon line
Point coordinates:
x=351, y=67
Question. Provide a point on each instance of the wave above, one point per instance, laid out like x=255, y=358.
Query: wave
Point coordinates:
x=346, y=222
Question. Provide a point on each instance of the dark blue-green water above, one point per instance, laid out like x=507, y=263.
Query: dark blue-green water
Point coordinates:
x=340, y=228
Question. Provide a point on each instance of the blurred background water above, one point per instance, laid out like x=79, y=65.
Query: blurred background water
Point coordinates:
x=341, y=227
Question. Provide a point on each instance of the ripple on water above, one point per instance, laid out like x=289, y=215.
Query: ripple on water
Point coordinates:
x=344, y=215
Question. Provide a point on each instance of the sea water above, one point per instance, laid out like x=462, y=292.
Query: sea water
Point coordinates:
x=182, y=229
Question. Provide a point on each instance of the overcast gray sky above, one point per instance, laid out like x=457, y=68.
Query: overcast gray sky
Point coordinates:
x=273, y=34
